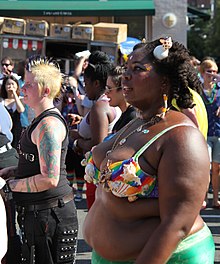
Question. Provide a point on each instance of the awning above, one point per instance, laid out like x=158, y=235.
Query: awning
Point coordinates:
x=77, y=8
x=199, y=13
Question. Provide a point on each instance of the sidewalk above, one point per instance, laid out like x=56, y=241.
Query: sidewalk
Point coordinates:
x=83, y=250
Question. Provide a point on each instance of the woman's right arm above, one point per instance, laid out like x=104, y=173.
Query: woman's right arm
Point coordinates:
x=99, y=123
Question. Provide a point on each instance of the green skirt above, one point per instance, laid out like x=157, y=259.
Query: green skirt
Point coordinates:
x=197, y=248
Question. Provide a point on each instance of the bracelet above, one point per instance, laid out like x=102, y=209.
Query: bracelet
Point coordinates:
x=6, y=188
x=76, y=147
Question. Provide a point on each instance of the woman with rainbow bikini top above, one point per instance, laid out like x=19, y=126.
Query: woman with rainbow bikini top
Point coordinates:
x=146, y=208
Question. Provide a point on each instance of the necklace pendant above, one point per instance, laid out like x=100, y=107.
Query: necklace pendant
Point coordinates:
x=145, y=131
x=139, y=129
x=121, y=142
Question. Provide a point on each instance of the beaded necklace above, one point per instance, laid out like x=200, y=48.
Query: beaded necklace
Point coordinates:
x=120, y=142
x=209, y=100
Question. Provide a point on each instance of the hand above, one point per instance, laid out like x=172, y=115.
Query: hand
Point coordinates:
x=76, y=147
x=8, y=172
x=12, y=90
x=74, y=119
x=216, y=77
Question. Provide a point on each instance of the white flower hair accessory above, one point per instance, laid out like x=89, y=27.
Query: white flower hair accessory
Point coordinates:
x=161, y=52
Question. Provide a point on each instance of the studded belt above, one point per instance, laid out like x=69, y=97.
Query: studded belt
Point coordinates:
x=38, y=207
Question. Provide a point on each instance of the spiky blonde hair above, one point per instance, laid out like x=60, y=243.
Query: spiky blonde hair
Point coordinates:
x=47, y=74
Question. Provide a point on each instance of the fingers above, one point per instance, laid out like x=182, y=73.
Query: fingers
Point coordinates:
x=74, y=119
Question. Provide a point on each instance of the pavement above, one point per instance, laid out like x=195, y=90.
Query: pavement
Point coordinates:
x=210, y=216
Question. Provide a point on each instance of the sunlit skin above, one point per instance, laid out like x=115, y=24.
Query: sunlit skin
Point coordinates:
x=11, y=89
x=48, y=137
x=136, y=229
x=115, y=95
x=7, y=67
x=48, y=141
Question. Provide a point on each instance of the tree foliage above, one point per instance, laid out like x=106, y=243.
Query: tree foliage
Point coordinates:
x=204, y=36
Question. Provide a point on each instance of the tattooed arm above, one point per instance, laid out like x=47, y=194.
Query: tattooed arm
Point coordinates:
x=48, y=137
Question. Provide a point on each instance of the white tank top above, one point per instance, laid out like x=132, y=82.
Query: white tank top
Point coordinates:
x=84, y=127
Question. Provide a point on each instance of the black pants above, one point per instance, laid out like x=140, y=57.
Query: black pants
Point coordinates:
x=13, y=254
x=50, y=234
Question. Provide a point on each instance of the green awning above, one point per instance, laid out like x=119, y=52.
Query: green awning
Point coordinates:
x=77, y=8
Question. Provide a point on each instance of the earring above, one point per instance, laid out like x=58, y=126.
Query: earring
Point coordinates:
x=164, y=108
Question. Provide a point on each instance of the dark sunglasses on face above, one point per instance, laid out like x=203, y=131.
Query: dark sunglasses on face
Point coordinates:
x=6, y=64
x=211, y=71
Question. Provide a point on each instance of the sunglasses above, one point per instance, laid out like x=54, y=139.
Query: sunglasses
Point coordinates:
x=211, y=71
x=109, y=89
x=6, y=64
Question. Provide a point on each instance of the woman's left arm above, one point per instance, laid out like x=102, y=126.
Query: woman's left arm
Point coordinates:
x=48, y=137
x=183, y=175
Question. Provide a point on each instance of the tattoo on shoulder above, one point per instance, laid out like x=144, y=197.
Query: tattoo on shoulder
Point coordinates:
x=49, y=148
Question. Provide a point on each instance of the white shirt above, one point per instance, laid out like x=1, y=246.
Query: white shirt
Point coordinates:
x=5, y=122
x=3, y=230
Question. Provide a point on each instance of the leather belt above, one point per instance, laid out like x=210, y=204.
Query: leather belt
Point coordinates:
x=5, y=148
x=38, y=207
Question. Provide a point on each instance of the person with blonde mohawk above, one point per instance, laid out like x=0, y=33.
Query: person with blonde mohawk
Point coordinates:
x=46, y=211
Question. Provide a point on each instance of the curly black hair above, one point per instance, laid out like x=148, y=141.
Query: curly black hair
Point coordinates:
x=177, y=68
x=98, y=67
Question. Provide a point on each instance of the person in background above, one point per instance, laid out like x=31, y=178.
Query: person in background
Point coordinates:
x=83, y=103
x=69, y=107
x=27, y=116
x=9, y=157
x=5, y=121
x=211, y=98
x=197, y=111
x=99, y=121
x=10, y=93
x=47, y=215
x=151, y=180
x=7, y=66
x=116, y=98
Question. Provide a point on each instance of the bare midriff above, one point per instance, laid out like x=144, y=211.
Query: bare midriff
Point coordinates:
x=118, y=230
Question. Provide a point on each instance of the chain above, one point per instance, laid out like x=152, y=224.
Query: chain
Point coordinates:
x=120, y=142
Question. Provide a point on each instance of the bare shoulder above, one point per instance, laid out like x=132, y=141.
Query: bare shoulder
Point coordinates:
x=182, y=131
x=49, y=126
x=100, y=107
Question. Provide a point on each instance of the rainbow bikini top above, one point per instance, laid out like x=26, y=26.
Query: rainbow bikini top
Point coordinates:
x=125, y=178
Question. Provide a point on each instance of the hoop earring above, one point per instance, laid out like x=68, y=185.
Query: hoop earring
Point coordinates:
x=164, y=108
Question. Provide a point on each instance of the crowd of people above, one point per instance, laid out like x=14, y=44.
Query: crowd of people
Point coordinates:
x=111, y=131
